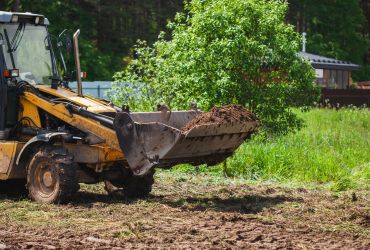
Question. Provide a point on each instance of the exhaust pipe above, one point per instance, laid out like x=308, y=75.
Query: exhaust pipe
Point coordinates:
x=77, y=62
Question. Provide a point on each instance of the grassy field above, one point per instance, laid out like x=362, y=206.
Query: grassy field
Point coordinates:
x=332, y=149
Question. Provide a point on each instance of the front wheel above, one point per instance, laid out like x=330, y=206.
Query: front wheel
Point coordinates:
x=51, y=176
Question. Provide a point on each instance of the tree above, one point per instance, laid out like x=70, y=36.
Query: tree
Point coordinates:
x=221, y=52
x=15, y=5
x=335, y=28
x=109, y=28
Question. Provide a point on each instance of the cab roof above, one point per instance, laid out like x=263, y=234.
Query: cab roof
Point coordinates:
x=16, y=17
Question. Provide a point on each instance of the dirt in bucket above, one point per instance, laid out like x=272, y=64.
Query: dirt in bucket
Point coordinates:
x=224, y=114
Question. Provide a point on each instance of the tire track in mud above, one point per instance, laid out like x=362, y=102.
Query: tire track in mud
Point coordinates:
x=17, y=238
x=198, y=214
x=189, y=230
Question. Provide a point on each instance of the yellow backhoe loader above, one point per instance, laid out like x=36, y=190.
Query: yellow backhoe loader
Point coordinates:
x=55, y=138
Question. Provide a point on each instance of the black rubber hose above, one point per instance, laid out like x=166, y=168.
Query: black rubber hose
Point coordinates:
x=104, y=120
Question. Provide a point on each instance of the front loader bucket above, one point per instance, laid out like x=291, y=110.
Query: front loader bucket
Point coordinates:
x=156, y=139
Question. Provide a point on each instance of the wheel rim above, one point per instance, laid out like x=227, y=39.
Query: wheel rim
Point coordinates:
x=45, y=179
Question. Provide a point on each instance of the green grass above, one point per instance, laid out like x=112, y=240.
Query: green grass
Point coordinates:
x=332, y=149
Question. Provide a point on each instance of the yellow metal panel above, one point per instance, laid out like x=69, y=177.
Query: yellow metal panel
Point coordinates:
x=7, y=154
x=93, y=154
x=29, y=110
x=16, y=172
x=80, y=122
x=90, y=103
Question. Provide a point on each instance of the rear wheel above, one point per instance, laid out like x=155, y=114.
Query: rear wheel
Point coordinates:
x=131, y=186
x=51, y=176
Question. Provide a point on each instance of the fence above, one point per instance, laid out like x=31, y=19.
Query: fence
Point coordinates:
x=95, y=89
x=98, y=92
x=345, y=97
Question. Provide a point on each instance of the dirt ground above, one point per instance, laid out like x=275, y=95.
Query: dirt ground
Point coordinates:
x=190, y=211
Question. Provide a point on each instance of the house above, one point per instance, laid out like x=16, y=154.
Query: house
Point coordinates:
x=335, y=78
x=331, y=73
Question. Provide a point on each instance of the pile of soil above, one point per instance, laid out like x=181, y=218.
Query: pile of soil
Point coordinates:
x=224, y=114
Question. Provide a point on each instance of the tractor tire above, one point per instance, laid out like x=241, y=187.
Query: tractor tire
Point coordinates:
x=131, y=186
x=51, y=176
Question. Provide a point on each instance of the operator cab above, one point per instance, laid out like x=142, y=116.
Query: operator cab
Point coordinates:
x=26, y=55
x=27, y=46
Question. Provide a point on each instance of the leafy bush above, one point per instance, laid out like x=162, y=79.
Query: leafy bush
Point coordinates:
x=222, y=52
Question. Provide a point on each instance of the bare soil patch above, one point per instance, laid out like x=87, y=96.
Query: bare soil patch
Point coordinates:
x=225, y=114
x=192, y=212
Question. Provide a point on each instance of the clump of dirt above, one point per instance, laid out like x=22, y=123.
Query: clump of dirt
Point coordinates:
x=224, y=114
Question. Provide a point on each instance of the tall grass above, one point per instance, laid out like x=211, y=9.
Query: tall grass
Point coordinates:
x=332, y=148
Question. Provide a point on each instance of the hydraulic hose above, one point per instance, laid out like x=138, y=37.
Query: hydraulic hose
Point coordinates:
x=104, y=120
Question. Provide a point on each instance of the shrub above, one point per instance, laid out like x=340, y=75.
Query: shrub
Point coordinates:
x=222, y=52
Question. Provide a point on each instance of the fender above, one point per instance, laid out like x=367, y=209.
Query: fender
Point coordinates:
x=38, y=139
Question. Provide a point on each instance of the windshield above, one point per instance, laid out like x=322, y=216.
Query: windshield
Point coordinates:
x=29, y=47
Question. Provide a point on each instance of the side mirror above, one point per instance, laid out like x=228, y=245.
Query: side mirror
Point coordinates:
x=68, y=44
x=64, y=39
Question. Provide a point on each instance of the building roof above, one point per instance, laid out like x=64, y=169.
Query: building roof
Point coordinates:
x=321, y=62
x=6, y=17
